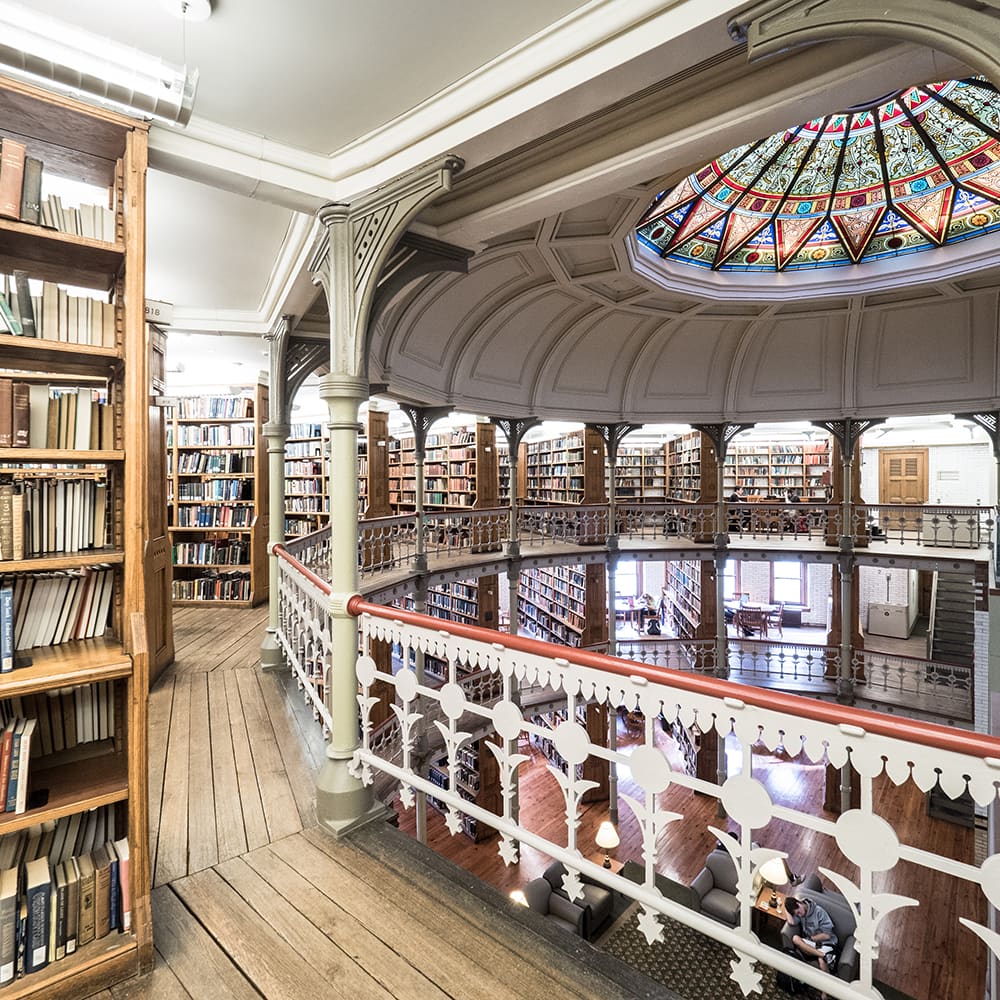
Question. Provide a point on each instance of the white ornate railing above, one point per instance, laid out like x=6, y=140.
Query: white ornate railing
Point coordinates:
x=944, y=689
x=957, y=527
x=573, y=523
x=677, y=654
x=696, y=521
x=304, y=630
x=459, y=533
x=872, y=744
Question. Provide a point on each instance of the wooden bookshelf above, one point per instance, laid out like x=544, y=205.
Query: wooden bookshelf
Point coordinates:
x=775, y=468
x=691, y=598
x=477, y=781
x=553, y=470
x=471, y=602
x=641, y=473
x=552, y=603
x=461, y=470
x=307, y=501
x=108, y=150
x=217, y=495
x=684, y=461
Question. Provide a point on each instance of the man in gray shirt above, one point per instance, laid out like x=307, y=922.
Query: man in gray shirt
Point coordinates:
x=816, y=937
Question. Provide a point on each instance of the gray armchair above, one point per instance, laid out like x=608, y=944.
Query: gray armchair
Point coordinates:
x=714, y=888
x=556, y=908
x=845, y=923
x=596, y=900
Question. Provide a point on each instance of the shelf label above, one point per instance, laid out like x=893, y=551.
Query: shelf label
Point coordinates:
x=161, y=313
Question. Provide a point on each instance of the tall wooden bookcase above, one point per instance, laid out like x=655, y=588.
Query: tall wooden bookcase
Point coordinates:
x=773, y=468
x=460, y=470
x=218, y=499
x=108, y=151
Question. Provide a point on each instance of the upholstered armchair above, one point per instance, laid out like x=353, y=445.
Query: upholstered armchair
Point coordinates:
x=538, y=892
x=596, y=900
x=714, y=888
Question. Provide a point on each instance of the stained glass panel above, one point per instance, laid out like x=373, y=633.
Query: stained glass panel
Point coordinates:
x=918, y=170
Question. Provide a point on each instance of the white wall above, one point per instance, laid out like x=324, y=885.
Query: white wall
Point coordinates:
x=956, y=473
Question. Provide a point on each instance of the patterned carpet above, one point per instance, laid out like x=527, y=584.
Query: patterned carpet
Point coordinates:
x=690, y=964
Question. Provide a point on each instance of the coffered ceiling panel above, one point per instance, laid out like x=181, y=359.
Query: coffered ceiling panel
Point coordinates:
x=942, y=352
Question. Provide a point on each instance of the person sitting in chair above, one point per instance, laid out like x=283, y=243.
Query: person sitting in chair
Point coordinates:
x=816, y=938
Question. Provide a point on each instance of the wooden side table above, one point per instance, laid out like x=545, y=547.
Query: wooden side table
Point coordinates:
x=768, y=920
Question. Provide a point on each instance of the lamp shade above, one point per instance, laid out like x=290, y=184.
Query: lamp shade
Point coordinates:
x=607, y=836
x=775, y=872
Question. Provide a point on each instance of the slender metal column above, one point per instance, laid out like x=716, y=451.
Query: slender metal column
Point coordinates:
x=275, y=430
x=421, y=418
x=514, y=429
x=612, y=435
x=513, y=600
x=612, y=714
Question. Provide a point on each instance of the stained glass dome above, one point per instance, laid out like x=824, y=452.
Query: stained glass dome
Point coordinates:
x=907, y=173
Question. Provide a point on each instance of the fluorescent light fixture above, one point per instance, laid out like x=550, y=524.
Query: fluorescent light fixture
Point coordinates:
x=89, y=65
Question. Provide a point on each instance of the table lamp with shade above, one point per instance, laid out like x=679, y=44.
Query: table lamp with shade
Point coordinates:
x=607, y=839
x=776, y=874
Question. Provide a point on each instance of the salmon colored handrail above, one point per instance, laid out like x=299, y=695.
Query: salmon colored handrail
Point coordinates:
x=925, y=733
x=282, y=553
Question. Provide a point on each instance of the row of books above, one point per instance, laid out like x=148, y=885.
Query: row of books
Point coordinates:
x=40, y=415
x=216, y=489
x=43, y=515
x=214, y=517
x=212, y=436
x=48, y=909
x=226, y=586
x=218, y=407
x=227, y=553
x=47, y=609
x=59, y=839
x=53, y=313
x=67, y=718
x=200, y=462
x=21, y=198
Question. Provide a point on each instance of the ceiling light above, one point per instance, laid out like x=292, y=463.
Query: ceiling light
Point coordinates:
x=89, y=65
x=188, y=10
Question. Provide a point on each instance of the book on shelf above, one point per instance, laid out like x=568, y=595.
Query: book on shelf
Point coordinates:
x=6, y=628
x=37, y=892
x=12, y=154
x=124, y=885
x=25, y=307
x=8, y=924
x=31, y=191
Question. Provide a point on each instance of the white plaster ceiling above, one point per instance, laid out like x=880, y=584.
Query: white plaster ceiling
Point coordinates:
x=316, y=74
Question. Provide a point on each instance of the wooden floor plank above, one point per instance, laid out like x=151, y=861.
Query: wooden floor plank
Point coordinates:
x=480, y=969
x=199, y=964
x=160, y=984
x=300, y=933
x=289, y=743
x=230, y=833
x=172, y=844
x=254, y=824
x=161, y=700
x=280, y=809
x=268, y=961
x=398, y=976
x=203, y=847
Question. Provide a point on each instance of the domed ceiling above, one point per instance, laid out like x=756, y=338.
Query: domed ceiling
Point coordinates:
x=905, y=174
